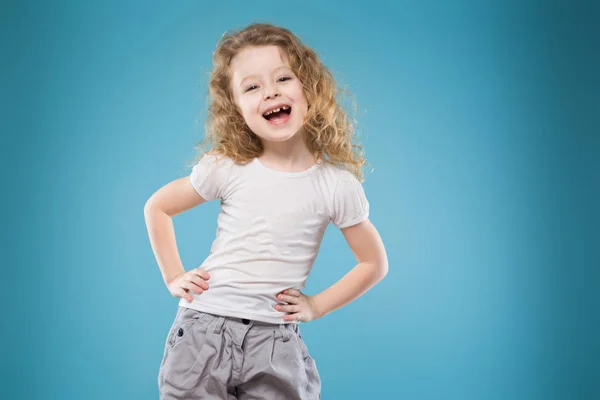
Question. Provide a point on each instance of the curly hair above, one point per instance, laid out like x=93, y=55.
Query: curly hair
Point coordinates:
x=330, y=131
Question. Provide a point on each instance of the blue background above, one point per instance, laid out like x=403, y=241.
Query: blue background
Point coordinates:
x=479, y=118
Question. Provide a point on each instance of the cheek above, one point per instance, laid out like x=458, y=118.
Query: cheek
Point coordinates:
x=252, y=118
x=246, y=111
x=302, y=101
x=299, y=97
x=249, y=108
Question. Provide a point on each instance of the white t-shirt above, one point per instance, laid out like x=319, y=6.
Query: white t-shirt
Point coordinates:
x=269, y=230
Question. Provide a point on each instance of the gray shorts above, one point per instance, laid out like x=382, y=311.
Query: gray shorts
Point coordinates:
x=212, y=357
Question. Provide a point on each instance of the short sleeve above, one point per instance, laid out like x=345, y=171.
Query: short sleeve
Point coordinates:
x=209, y=176
x=350, y=205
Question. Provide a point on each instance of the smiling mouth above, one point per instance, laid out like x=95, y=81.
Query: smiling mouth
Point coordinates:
x=277, y=113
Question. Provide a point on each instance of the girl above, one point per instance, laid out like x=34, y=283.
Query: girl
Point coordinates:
x=283, y=165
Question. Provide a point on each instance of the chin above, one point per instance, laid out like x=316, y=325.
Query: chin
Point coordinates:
x=281, y=135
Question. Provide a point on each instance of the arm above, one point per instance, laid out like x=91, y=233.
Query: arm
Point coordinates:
x=372, y=267
x=170, y=200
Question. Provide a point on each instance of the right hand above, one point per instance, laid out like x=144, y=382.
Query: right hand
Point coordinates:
x=193, y=280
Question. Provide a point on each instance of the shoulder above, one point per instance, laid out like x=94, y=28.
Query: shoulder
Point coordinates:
x=349, y=204
x=341, y=177
x=335, y=173
x=339, y=180
x=212, y=163
x=210, y=174
x=347, y=185
x=215, y=160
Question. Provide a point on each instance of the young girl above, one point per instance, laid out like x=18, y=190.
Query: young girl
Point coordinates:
x=283, y=166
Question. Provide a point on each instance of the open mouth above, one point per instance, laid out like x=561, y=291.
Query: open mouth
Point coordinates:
x=278, y=115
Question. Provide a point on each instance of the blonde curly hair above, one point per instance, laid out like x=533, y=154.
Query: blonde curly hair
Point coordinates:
x=330, y=131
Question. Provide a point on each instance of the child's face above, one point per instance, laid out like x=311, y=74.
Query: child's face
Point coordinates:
x=262, y=80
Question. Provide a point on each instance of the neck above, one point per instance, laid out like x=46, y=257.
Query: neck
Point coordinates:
x=290, y=155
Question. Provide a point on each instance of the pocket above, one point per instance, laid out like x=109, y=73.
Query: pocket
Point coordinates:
x=186, y=320
x=189, y=354
x=312, y=384
x=174, y=324
x=185, y=368
x=303, y=348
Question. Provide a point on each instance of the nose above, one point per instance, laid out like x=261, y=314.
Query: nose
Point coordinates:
x=271, y=92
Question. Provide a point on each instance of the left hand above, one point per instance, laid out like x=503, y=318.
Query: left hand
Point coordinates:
x=300, y=307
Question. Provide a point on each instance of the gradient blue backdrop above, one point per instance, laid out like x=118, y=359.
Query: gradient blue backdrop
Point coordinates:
x=479, y=118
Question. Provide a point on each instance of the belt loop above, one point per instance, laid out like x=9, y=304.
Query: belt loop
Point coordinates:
x=219, y=325
x=285, y=333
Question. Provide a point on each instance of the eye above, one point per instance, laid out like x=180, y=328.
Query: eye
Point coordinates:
x=284, y=78
x=249, y=88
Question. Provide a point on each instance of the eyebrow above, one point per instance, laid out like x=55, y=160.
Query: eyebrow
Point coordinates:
x=256, y=76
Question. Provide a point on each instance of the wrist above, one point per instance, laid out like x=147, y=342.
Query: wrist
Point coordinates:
x=170, y=279
x=317, y=305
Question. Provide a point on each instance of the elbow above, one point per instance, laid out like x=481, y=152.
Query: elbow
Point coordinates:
x=150, y=207
x=379, y=269
x=383, y=268
x=154, y=207
x=383, y=265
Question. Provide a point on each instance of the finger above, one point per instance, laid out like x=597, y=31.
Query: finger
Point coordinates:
x=185, y=295
x=191, y=281
x=292, y=292
x=293, y=317
x=288, y=299
x=198, y=281
x=192, y=286
x=202, y=273
x=293, y=308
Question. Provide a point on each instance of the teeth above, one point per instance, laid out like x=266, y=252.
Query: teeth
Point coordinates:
x=276, y=110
